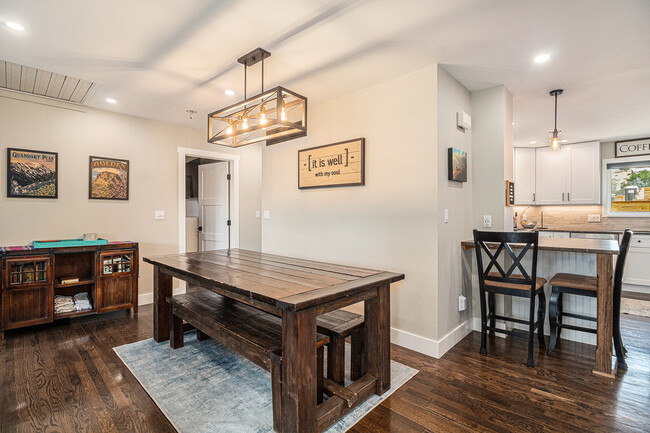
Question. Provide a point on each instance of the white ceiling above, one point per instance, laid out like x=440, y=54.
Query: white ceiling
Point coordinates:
x=160, y=58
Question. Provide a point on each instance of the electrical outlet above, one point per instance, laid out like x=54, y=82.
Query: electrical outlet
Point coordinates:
x=593, y=218
x=462, y=303
x=487, y=220
x=257, y=214
x=159, y=215
x=267, y=215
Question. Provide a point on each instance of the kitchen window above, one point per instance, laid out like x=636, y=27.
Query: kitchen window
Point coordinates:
x=626, y=187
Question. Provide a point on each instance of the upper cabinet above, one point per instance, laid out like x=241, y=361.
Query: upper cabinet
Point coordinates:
x=525, y=175
x=570, y=175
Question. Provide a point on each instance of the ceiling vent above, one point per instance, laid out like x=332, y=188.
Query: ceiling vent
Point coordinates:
x=38, y=82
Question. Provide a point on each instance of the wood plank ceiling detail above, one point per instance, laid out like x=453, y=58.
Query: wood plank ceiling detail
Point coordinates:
x=38, y=82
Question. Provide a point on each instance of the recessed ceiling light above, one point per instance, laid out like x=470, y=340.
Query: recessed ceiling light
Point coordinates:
x=532, y=142
x=542, y=58
x=14, y=26
x=111, y=101
x=229, y=92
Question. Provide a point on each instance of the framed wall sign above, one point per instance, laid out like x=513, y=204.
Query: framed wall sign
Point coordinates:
x=457, y=165
x=108, y=178
x=32, y=174
x=636, y=147
x=510, y=193
x=338, y=164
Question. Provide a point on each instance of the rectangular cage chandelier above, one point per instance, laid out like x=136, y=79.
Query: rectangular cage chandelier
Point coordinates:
x=273, y=116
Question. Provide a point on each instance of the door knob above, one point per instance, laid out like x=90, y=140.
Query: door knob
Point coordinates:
x=200, y=229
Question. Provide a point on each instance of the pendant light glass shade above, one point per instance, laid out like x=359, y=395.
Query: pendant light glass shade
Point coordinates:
x=555, y=140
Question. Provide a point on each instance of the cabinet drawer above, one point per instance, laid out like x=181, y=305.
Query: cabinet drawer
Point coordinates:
x=640, y=241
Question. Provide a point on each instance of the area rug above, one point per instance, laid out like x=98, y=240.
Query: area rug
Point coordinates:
x=204, y=387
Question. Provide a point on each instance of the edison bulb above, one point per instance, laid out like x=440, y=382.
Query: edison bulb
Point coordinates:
x=555, y=143
x=229, y=129
x=245, y=123
x=263, y=118
x=283, y=114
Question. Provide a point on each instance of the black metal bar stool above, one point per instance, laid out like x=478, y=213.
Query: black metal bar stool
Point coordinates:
x=504, y=282
x=588, y=286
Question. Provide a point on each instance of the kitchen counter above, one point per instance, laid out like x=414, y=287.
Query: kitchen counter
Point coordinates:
x=595, y=230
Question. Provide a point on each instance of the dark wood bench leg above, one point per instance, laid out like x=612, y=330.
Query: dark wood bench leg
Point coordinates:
x=357, y=365
x=201, y=336
x=276, y=390
x=336, y=360
x=175, y=330
x=320, y=360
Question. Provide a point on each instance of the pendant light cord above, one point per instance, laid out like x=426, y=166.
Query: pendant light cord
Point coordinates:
x=555, y=129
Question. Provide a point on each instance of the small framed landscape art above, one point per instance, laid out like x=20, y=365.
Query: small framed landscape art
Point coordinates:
x=108, y=178
x=457, y=165
x=32, y=174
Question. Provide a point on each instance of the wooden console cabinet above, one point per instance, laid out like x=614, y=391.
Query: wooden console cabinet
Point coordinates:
x=30, y=279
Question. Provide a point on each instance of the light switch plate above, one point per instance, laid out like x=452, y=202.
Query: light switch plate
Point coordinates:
x=593, y=218
x=160, y=215
x=267, y=215
x=257, y=214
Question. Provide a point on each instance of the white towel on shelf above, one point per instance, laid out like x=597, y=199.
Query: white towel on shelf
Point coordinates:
x=64, y=304
x=82, y=301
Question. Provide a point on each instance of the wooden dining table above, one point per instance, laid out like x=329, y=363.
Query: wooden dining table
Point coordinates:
x=296, y=290
x=605, y=250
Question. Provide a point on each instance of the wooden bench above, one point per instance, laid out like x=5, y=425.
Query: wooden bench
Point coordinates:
x=338, y=325
x=254, y=334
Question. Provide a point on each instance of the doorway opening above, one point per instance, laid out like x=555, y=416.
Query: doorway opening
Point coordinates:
x=208, y=200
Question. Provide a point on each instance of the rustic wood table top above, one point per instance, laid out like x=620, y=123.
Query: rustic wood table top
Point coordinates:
x=282, y=283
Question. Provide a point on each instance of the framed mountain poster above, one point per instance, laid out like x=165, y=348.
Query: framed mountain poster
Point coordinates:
x=108, y=178
x=32, y=174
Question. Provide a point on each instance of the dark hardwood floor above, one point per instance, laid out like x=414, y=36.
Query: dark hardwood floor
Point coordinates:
x=65, y=377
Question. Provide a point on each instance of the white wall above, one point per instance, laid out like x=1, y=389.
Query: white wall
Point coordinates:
x=151, y=147
x=457, y=198
x=391, y=223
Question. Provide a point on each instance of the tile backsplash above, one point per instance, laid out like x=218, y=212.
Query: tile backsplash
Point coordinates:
x=575, y=218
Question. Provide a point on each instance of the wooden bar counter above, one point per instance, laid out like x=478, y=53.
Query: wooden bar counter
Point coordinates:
x=604, y=250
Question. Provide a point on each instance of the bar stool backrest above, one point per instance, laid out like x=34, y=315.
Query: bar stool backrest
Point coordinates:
x=500, y=241
x=620, y=261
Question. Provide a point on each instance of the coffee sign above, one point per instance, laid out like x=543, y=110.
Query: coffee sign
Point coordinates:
x=633, y=147
x=338, y=164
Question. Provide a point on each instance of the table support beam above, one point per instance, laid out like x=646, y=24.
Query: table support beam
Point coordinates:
x=605, y=315
x=377, y=338
x=299, y=372
x=162, y=288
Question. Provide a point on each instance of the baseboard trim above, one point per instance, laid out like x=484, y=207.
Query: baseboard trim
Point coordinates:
x=147, y=298
x=428, y=346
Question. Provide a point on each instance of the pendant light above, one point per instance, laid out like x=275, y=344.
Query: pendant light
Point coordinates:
x=273, y=116
x=555, y=140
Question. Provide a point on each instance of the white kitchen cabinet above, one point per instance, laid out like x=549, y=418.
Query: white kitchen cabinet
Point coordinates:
x=570, y=175
x=583, y=174
x=636, y=266
x=524, y=175
x=550, y=176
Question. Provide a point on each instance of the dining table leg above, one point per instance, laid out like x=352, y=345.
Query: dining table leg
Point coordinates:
x=299, y=372
x=162, y=288
x=604, y=299
x=377, y=335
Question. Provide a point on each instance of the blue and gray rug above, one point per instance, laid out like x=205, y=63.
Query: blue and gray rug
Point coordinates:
x=204, y=387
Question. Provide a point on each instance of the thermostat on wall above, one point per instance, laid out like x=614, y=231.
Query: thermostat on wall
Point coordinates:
x=463, y=120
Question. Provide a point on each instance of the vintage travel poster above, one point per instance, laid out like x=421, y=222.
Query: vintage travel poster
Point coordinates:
x=32, y=174
x=109, y=178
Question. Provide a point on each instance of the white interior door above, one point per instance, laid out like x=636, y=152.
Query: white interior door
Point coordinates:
x=214, y=231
